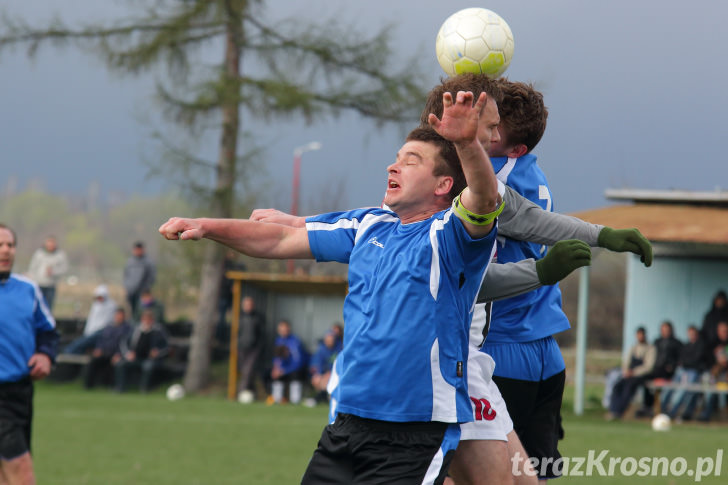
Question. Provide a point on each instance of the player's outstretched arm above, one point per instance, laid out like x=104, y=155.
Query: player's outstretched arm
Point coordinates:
x=277, y=217
x=513, y=279
x=257, y=239
x=459, y=124
x=523, y=220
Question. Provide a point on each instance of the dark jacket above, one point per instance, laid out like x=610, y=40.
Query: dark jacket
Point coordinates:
x=668, y=354
x=251, y=330
x=141, y=342
x=692, y=356
x=109, y=340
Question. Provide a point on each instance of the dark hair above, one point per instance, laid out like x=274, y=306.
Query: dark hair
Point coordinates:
x=475, y=83
x=139, y=244
x=448, y=162
x=641, y=329
x=15, y=237
x=522, y=112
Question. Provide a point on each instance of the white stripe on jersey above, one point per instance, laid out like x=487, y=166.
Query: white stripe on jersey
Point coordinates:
x=369, y=220
x=325, y=226
x=38, y=298
x=443, y=394
x=437, y=225
x=506, y=170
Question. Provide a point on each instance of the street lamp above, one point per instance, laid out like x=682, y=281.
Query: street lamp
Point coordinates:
x=297, y=152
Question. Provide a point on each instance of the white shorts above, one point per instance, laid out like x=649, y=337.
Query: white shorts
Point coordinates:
x=491, y=418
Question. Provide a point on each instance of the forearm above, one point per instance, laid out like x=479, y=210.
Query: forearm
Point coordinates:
x=523, y=220
x=508, y=280
x=481, y=195
x=257, y=239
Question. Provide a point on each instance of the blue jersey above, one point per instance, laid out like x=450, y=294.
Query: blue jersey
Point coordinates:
x=296, y=356
x=412, y=288
x=26, y=327
x=536, y=314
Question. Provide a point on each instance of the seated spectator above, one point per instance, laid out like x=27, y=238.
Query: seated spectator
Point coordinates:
x=148, y=302
x=636, y=367
x=145, y=349
x=717, y=313
x=107, y=345
x=667, y=354
x=289, y=365
x=100, y=315
x=718, y=370
x=338, y=330
x=691, y=365
x=321, y=364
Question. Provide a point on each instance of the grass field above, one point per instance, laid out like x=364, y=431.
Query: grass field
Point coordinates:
x=104, y=438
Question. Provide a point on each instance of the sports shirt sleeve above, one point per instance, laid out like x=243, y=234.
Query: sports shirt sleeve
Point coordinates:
x=508, y=280
x=523, y=220
x=332, y=236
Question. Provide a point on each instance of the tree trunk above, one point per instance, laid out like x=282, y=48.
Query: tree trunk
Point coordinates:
x=198, y=365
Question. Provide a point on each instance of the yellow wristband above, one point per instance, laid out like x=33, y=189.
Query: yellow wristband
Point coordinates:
x=472, y=217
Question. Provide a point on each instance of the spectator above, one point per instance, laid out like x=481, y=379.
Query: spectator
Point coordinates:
x=338, y=330
x=289, y=365
x=250, y=341
x=667, y=354
x=47, y=266
x=691, y=365
x=225, y=302
x=100, y=315
x=148, y=302
x=718, y=370
x=144, y=349
x=636, y=367
x=139, y=275
x=321, y=364
x=717, y=313
x=107, y=345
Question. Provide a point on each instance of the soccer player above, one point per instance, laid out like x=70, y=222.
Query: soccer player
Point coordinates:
x=530, y=368
x=28, y=340
x=414, y=273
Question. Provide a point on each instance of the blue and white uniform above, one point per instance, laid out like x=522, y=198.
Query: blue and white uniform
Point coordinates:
x=26, y=327
x=412, y=289
x=535, y=315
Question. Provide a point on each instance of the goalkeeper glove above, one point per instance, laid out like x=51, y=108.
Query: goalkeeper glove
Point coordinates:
x=622, y=240
x=563, y=258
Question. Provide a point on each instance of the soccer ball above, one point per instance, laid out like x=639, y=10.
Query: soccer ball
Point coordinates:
x=661, y=422
x=175, y=392
x=474, y=40
x=246, y=397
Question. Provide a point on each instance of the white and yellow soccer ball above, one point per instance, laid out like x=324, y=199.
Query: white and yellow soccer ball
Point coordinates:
x=474, y=40
x=175, y=392
x=661, y=422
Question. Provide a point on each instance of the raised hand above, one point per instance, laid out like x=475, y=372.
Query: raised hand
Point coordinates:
x=459, y=122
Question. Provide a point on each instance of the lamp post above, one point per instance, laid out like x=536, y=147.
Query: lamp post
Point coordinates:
x=297, y=153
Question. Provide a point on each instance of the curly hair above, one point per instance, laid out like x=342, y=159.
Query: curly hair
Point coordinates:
x=475, y=83
x=522, y=112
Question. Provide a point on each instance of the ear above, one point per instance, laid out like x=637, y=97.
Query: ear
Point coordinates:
x=517, y=151
x=444, y=185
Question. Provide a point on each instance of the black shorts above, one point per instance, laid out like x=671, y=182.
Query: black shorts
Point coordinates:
x=361, y=451
x=16, y=414
x=535, y=408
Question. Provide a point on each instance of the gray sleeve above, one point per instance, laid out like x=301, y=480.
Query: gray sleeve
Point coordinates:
x=509, y=279
x=523, y=220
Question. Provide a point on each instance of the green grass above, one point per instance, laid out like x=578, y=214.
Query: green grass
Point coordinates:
x=104, y=438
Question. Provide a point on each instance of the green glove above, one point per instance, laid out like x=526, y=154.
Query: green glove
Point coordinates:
x=621, y=240
x=563, y=258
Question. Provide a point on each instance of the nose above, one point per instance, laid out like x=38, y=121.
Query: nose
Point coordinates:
x=393, y=168
x=495, y=136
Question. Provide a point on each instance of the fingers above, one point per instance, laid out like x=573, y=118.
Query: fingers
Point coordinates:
x=182, y=229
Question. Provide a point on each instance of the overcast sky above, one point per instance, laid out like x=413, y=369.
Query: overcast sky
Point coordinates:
x=636, y=93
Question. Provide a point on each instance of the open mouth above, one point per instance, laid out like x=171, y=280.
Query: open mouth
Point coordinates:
x=393, y=185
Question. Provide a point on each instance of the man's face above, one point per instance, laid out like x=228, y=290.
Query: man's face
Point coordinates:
x=7, y=250
x=500, y=147
x=722, y=331
x=248, y=305
x=138, y=252
x=641, y=337
x=488, y=125
x=693, y=335
x=119, y=318
x=411, y=182
x=665, y=331
x=50, y=244
x=283, y=330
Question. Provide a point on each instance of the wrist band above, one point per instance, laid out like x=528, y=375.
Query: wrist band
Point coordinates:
x=472, y=217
